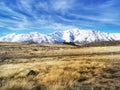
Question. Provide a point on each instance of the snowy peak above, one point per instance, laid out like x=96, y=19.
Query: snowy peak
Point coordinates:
x=73, y=35
x=34, y=36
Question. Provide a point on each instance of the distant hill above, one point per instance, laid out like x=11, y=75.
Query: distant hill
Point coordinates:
x=101, y=43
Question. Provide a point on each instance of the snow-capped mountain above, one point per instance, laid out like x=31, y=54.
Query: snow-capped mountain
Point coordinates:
x=73, y=35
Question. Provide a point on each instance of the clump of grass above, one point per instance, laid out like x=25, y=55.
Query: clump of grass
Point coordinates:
x=20, y=84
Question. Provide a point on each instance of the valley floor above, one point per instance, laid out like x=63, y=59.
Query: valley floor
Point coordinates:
x=25, y=66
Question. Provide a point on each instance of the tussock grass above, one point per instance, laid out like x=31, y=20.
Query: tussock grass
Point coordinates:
x=57, y=67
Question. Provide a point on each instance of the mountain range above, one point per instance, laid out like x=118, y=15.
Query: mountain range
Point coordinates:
x=72, y=35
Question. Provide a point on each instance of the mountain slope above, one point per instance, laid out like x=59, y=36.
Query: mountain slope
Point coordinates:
x=73, y=35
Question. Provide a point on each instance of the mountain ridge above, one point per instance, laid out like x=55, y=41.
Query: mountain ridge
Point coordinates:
x=72, y=35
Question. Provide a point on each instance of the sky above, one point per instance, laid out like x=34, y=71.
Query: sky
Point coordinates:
x=47, y=16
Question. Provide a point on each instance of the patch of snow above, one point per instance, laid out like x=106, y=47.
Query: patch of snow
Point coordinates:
x=71, y=35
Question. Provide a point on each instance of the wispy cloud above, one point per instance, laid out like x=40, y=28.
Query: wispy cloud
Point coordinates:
x=62, y=5
x=58, y=26
x=58, y=14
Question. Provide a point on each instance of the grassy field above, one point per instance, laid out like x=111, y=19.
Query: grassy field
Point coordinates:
x=25, y=66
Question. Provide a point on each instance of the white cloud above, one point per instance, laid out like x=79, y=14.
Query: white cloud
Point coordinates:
x=43, y=15
x=57, y=26
x=62, y=5
x=106, y=13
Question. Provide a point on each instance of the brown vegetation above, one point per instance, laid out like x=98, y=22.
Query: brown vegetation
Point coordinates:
x=26, y=66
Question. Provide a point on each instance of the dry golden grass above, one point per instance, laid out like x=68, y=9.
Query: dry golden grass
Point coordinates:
x=58, y=67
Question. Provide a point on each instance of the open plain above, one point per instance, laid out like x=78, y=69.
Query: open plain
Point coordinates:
x=29, y=66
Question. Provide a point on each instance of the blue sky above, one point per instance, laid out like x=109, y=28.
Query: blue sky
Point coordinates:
x=46, y=16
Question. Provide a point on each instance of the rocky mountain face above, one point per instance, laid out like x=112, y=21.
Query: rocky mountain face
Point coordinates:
x=73, y=35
